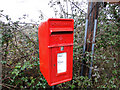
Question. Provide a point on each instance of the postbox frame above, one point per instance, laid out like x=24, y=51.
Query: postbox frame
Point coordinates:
x=62, y=31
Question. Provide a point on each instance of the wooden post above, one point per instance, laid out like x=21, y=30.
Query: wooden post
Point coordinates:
x=0, y=64
x=91, y=16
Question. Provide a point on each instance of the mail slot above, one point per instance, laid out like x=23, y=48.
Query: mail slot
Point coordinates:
x=56, y=50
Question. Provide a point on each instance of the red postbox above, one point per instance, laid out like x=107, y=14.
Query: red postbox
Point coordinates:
x=56, y=50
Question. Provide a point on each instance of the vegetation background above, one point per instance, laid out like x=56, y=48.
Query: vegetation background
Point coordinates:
x=19, y=49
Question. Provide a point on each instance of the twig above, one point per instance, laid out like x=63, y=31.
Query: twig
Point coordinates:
x=8, y=86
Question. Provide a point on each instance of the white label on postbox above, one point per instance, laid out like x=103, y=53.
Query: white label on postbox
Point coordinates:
x=61, y=62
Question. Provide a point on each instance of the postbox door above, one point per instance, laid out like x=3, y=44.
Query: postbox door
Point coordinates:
x=61, y=63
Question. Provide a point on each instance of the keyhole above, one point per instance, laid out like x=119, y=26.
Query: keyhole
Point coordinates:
x=62, y=48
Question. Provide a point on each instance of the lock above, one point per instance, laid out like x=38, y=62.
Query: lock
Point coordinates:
x=62, y=48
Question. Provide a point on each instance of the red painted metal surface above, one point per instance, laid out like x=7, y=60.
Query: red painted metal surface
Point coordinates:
x=56, y=50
